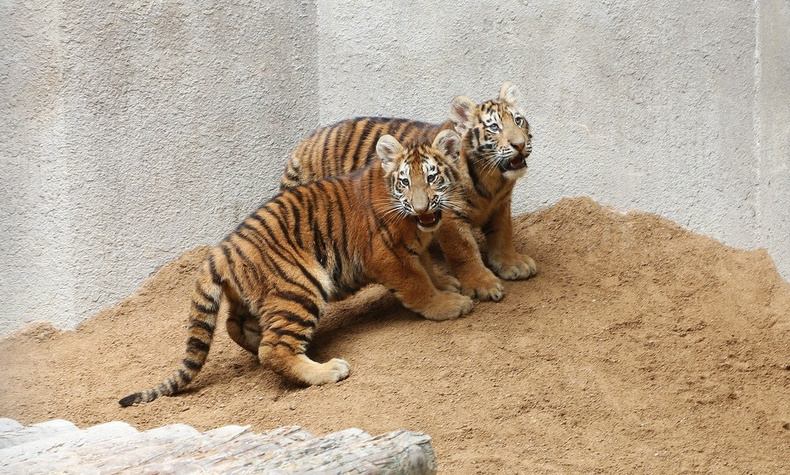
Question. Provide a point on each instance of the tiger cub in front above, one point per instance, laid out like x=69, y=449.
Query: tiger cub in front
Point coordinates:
x=496, y=144
x=315, y=243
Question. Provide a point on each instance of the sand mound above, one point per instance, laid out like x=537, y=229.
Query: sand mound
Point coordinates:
x=639, y=346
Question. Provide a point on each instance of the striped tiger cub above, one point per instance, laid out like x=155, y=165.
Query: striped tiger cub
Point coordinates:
x=319, y=242
x=496, y=144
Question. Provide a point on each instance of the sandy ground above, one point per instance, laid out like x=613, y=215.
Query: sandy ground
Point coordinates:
x=639, y=347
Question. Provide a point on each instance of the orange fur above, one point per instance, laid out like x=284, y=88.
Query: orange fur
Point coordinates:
x=315, y=243
x=496, y=143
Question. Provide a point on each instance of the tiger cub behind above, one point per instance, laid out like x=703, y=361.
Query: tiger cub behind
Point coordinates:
x=496, y=144
x=315, y=243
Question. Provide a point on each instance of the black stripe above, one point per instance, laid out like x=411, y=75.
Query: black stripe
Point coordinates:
x=249, y=264
x=343, y=223
x=273, y=243
x=365, y=132
x=472, y=167
x=337, y=268
x=295, y=260
x=307, y=304
x=213, y=270
x=197, y=344
x=201, y=324
x=285, y=344
x=281, y=222
x=232, y=273
x=294, y=318
x=204, y=309
x=488, y=228
x=293, y=334
x=205, y=295
x=273, y=264
x=192, y=365
x=171, y=385
x=324, y=158
x=185, y=377
x=297, y=224
x=461, y=216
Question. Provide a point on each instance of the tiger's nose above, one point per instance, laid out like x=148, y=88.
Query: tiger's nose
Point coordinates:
x=420, y=204
x=420, y=208
x=519, y=146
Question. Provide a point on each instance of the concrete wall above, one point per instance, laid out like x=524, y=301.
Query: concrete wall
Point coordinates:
x=133, y=133
x=130, y=133
x=772, y=129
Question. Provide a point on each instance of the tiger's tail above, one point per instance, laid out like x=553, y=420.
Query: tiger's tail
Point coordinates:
x=202, y=321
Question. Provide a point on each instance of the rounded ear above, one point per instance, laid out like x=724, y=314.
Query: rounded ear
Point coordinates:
x=388, y=148
x=510, y=94
x=462, y=113
x=449, y=143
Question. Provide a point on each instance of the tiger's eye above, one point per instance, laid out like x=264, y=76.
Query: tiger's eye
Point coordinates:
x=431, y=178
x=520, y=121
x=404, y=181
x=494, y=127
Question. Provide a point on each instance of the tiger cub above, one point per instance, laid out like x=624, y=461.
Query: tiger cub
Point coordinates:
x=315, y=243
x=496, y=144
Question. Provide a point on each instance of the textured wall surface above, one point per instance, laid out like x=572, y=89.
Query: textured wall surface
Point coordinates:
x=132, y=132
x=135, y=132
x=772, y=124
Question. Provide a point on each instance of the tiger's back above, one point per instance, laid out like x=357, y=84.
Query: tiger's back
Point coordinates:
x=349, y=145
x=496, y=143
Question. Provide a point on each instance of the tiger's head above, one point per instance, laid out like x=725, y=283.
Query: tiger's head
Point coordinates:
x=421, y=178
x=496, y=131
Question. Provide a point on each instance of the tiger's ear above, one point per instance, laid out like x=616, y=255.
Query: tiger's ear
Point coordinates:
x=510, y=94
x=388, y=148
x=449, y=143
x=462, y=113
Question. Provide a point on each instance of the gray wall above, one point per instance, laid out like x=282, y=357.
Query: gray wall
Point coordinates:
x=131, y=133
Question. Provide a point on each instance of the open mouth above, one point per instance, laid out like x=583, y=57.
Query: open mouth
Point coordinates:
x=516, y=163
x=429, y=220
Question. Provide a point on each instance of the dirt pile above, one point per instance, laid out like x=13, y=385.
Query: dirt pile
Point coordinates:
x=639, y=346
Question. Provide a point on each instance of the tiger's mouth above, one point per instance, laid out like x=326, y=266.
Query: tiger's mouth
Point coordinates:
x=516, y=162
x=428, y=221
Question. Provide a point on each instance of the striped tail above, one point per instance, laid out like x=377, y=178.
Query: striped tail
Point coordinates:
x=202, y=320
x=293, y=171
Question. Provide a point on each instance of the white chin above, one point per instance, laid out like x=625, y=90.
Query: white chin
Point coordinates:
x=515, y=174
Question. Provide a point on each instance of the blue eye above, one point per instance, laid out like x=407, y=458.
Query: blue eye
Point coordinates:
x=493, y=127
x=404, y=181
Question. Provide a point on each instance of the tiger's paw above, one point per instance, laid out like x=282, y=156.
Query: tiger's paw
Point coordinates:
x=517, y=267
x=447, y=305
x=315, y=374
x=447, y=282
x=484, y=286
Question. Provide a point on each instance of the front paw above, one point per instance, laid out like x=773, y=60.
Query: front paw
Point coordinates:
x=447, y=305
x=516, y=267
x=482, y=285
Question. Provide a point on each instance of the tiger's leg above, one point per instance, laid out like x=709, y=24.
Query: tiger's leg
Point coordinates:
x=291, y=318
x=408, y=279
x=462, y=253
x=502, y=256
x=244, y=328
x=441, y=279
